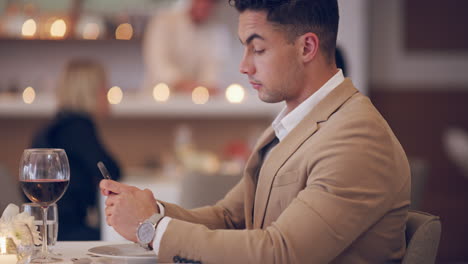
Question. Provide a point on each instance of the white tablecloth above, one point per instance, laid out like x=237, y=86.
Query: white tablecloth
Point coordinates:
x=77, y=253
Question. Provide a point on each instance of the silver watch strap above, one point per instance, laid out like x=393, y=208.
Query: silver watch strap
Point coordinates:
x=154, y=219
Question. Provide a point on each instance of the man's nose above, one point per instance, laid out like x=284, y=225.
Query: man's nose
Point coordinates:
x=246, y=66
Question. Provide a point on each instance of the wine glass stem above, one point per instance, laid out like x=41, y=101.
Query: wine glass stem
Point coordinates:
x=44, y=232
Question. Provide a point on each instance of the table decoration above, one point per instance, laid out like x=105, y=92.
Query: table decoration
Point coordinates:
x=18, y=234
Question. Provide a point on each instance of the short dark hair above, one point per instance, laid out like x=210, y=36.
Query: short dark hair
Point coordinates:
x=298, y=17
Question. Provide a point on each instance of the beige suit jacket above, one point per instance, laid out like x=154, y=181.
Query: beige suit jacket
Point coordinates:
x=336, y=189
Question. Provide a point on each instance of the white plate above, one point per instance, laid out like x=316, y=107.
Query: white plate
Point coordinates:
x=124, y=251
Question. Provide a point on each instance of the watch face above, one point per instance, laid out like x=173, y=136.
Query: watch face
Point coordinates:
x=146, y=232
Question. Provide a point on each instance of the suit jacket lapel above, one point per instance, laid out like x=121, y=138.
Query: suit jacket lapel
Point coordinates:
x=251, y=172
x=280, y=154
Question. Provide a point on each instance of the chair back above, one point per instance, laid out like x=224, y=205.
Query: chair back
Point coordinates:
x=419, y=174
x=422, y=238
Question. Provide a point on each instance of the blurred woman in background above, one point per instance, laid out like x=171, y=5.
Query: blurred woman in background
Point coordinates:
x=81, y=98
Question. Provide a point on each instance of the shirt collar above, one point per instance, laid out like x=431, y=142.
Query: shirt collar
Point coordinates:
x=286, y=122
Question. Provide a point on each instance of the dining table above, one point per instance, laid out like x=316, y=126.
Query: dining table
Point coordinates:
x=78, y=252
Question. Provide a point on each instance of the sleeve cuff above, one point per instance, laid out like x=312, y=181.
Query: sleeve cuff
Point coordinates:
x=162, y=210
x=160, y=230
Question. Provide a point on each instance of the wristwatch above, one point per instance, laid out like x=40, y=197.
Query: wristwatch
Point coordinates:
x=146, y=231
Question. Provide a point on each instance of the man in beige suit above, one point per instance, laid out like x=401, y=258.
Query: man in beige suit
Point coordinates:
x=328, y=182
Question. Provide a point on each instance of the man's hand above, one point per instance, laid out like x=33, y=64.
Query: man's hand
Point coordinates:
x=127, y=207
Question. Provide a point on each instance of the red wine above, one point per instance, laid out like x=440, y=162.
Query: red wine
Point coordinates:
x=44, y=192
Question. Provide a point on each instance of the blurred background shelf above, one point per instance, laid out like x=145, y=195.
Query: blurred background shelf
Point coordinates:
x=136, y=106
x=19, y=41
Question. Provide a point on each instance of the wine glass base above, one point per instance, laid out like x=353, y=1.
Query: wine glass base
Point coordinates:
x=47, y=259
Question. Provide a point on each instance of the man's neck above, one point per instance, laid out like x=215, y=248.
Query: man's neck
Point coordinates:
x=314, y=80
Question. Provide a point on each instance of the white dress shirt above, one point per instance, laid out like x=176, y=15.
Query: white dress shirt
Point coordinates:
x=283, y=124
x=160, y=229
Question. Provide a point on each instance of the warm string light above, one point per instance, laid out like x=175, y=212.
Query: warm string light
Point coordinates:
x=200, y=95
x=115, y=95
x=124, y=32
x=58, y=28
x=29, y=28
x=161, y=92
x=29, y=95
x=235, y=93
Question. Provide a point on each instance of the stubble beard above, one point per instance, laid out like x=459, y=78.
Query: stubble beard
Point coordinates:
x=271, y=96
x=281, y=92
x=284, y=90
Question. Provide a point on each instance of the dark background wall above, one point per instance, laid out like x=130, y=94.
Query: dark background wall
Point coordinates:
x=419, y=82
x=419, y=119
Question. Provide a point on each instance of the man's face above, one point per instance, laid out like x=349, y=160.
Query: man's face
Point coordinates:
x=200, y=10
x=272, y=64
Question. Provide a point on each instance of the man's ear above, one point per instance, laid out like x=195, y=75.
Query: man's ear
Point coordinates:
x=309, y=43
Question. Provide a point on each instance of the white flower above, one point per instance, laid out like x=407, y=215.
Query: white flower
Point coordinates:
x=9, y=213
x=18, y=225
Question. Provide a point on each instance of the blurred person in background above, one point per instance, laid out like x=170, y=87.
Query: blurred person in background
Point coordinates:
x=81, y=98
x=184, y=49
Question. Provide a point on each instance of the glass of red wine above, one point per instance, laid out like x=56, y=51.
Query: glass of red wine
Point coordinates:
x=44, y=175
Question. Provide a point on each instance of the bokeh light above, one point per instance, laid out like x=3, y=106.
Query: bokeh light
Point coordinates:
x=235, y=93
x=29, y=95
x=161, y=92
x=124, y=32
x=29, y=28
x=58, y=28
x=200, y=95
x=115, y=95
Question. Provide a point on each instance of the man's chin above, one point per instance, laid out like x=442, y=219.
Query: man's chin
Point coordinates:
x=267, y=99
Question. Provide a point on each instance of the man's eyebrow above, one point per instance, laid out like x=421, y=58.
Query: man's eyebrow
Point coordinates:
x=252, y=37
